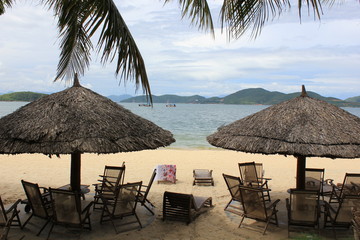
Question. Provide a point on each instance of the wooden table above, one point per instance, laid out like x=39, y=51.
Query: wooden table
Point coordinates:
x=84, y=189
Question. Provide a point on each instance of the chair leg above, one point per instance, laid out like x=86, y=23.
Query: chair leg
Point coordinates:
x=242, y=219
x=51, y=228
x=27, y=220
x=17, y=219
x=47, y=221
x=266, y=226
x=137, y=218
x=228, y=205
x=148, y=209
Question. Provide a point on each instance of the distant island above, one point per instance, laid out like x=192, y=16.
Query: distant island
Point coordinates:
x=251, y=96
x=21, y=96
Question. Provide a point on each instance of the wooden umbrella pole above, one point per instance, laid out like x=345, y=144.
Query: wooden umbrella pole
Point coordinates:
x=300, y=172
x=75, y=171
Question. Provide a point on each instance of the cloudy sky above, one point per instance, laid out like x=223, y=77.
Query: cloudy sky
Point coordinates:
x=324, y=55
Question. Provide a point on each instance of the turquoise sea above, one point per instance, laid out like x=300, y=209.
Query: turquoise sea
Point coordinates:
x=190, y=123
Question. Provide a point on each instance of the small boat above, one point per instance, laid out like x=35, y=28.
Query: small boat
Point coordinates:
x=144, y=105
x=171, y=105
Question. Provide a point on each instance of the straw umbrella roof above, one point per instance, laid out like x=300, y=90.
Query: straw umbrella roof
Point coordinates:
x=78, y=120
x=301, y=126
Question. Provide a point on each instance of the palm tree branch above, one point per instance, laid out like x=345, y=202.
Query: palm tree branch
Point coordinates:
x=75, y=43
x=198, y=12
x=4, y=4
x=116, y=41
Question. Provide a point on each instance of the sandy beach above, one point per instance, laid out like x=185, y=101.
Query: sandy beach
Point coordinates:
x=213, y=224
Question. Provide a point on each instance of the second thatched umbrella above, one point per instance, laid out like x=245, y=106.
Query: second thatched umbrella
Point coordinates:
x=303, y=127
x=74, y=121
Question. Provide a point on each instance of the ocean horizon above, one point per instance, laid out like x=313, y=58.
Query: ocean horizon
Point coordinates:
x=189, y=123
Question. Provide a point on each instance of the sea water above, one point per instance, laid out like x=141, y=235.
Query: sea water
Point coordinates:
x=189, y=123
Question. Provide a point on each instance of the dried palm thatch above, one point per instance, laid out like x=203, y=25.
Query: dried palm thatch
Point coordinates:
x=78, y=120
x=75, y=121
x=302, y=126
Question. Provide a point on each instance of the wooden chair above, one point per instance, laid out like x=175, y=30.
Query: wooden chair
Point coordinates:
x=113, y=176
x=123, y=205
x=303, y=209
x=350, y=186
x=9, y=217
x=39, y=203
x=250, y=177
x=144, y=193
x=67, y=210
x=233, y=184
x=339, y=215
x=183, y=207
x=255, y=206
x=203, y=176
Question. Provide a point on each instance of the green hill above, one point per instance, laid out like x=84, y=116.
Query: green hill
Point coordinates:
x=353, y=99
x=262, y=96
x=21, y=96
x=249, y=96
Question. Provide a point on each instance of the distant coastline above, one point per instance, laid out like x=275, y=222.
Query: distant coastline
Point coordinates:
x=251, y=96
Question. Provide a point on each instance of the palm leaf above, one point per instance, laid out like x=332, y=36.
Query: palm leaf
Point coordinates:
x=116, y=41
x=239, y=16
x=5, y=3
x=78, y=20
x=75, y=43
x=199, y=13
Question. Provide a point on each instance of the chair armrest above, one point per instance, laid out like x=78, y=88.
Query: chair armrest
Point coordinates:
x=273, y=204
x=13, y=206
x=266, y=179
x=102, y=176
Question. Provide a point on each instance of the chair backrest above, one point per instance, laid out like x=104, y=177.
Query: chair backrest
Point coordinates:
x=127, y=196
x=233, y=184
x=202, y=173
x=177, y=206
x=35, y=199
x=253, y=202
x=149, y=185
x=314, y=178
x=304, y=206
x=348, y=202
x=351, y=184
x=259, y=170
x=3, y=216
x=66, y=206
x=248, y=172
x=114, y=174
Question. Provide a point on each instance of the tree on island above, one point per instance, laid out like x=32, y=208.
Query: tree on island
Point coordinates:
x=79, y=20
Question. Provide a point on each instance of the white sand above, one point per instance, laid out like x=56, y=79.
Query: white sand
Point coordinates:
x=214, y=224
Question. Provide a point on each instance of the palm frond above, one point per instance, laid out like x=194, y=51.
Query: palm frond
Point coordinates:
x=116, y=41
x=75, y=43
x=240, y=15
x=198, y=12
x=4, y=4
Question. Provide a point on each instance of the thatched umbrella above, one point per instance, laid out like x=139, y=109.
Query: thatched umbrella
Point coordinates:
x=75, y=121
x=303, y=127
